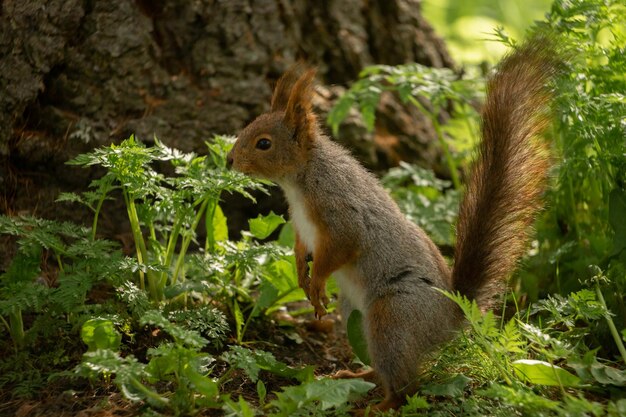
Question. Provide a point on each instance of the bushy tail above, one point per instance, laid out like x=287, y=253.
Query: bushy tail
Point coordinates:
x=509, y=175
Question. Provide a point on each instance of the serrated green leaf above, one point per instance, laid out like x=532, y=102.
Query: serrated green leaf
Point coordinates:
x=263, y=226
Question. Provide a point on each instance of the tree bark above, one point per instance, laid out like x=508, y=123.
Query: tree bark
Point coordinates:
x=76, y=74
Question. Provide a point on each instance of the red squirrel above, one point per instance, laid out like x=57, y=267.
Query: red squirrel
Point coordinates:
x=386, y=266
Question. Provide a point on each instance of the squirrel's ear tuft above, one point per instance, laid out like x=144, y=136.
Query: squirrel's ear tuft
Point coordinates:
x=299, y=113
x=285, y=83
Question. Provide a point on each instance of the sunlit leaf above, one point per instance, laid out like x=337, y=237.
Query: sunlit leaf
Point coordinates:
x=544, y=373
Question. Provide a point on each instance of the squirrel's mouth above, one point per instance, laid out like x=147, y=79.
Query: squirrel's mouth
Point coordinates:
x=244, y=169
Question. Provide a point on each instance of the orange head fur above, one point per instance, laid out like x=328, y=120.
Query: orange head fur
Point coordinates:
x=276, y=144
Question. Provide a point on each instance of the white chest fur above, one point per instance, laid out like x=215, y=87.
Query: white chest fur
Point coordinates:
x=348, y=282
x=347, y=278
x=300, y=217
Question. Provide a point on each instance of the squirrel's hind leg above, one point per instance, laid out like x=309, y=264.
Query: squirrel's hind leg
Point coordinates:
x=402, y=330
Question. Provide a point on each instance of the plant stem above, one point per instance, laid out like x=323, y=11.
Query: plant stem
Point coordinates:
x=187, y=240
x=96, y=214
x=16, y=328
x=609, y=321
x=147, y=392
x=140, y=246
x=454, y=175
x=209, y=244
x=169, y=253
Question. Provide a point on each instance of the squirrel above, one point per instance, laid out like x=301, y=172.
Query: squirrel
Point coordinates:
x=386, y=266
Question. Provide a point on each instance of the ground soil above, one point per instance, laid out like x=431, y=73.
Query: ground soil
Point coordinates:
x=304, y=341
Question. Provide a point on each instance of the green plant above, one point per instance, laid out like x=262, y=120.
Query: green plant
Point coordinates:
x=176, y=378
x=559, y=353
x=164, y=212
x=426, y=200
x=247, y=277
x=584, y=224
x=55, y=267
x=431, y=90
x=178, y=362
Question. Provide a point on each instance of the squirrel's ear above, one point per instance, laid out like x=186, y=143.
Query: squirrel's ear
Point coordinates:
x=299, y=113
x=285, y=83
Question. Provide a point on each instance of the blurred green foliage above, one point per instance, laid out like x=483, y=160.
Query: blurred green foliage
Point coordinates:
x=465, y=24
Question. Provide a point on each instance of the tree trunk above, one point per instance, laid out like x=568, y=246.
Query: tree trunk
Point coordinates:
x=76, y=74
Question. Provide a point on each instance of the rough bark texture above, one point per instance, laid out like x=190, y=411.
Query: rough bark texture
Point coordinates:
x=76, y=74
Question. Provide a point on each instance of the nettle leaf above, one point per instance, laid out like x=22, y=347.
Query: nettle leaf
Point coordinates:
x=263, y=226
x=451, y=387
x=544, y=373
x=323, y=394
x=100, y=333
x=356, y=336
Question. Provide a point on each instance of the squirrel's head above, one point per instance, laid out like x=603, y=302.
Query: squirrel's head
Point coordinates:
x=276, y=144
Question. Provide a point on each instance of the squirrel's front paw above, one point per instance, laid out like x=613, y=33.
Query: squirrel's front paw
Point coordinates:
x=320, y=311
x=319, y=300
x=304, y=283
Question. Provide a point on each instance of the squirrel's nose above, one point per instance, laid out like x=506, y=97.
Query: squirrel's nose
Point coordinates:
x=229, y=162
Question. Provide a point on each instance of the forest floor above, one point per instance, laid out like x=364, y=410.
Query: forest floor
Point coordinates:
x=302, y=342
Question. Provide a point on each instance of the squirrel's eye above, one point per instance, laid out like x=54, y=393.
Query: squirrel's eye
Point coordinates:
x=263, y=144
